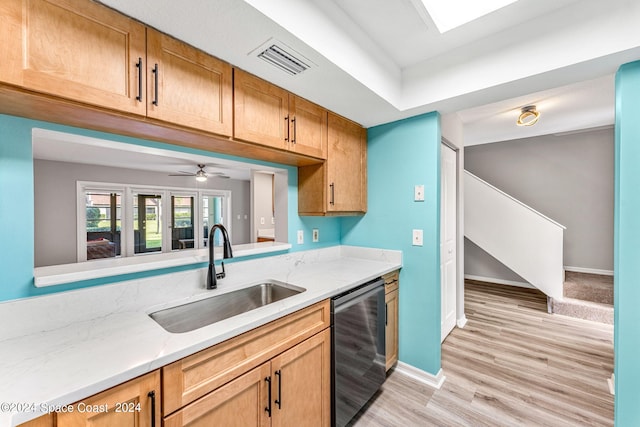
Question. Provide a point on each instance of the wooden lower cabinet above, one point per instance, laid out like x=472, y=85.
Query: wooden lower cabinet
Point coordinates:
x=276, y=375
x=302, y=384
x=241, y=402
x=42, y=421
x=292, y=389
x=391, y=317
x=135, y=403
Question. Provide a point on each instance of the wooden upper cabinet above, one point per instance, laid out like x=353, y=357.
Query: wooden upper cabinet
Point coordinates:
x=268, y=115
x=187, y=86
x=77, y=50
x=339, y=186
x=308, y=127
x=260, y=111
x=347, y=166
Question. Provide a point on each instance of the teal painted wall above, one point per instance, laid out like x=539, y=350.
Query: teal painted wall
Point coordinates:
x=626, y=249
x=400, y=155
x=16, y=208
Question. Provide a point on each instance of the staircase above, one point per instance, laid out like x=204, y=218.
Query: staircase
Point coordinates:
x=586, y=296
x=531, y=245
x=515, y=234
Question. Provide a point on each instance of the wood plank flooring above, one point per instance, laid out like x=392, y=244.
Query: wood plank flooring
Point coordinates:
x=512, y=365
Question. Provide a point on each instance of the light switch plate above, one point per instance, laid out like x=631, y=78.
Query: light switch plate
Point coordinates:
x=300, y=237
x=418, y=195
x=261, y=220
x=315, y=235
x=417, y=238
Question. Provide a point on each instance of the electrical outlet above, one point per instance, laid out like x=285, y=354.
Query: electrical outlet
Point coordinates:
x=300, y=237
x=261, y=220
x=418, y=195
x=315, y=235
x=417, y=238
x=273, y=220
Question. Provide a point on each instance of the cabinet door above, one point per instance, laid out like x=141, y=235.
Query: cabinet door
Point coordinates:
x=347, y=166
x=240, y=403
x=261, y=111
x=301, y=383
x=308, y=128
x=77, y=50
x=42, y=421
x=186, y=86
x=135, y=403
x=391, y=329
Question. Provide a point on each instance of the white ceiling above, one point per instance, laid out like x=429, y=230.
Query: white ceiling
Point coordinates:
x=376, y=61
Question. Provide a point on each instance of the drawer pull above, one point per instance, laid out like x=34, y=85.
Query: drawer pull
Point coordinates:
x=152, y=396
x=156, y=77
x=139, y=67
x=279, y=399
x=268, y=408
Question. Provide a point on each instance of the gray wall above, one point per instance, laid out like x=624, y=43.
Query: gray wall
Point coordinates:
x=568, y=178
x=55, y=203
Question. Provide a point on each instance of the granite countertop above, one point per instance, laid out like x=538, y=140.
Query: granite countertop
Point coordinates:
x=61, y=348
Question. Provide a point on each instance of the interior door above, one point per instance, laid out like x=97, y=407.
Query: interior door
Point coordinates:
x=448, y=239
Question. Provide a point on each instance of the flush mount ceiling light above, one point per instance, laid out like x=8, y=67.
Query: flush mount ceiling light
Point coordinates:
x=529, y=116
x=450, y=14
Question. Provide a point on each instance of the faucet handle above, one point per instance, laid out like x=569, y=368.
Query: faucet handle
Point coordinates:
x=223, y=274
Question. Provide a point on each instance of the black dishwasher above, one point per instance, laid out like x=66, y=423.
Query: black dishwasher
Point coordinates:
x=358, y=349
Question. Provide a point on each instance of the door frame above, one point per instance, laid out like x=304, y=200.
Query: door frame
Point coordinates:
x=461, y=319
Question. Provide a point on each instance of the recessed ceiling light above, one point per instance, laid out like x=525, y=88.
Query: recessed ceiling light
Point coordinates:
x=449, y=14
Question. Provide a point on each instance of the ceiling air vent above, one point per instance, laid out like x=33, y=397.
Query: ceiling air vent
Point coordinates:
x=282, y=59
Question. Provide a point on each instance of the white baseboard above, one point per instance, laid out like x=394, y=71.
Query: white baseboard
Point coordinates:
x=588, y=270
x=499, y=281
x=460, y=323
x=434, y=381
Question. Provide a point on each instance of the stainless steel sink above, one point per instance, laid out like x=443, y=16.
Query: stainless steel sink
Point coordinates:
x=194, y=315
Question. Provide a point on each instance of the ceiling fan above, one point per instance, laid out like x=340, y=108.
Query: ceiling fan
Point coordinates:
x=201, y=175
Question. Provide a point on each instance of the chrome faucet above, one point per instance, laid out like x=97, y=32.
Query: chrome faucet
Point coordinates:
x=212, y=276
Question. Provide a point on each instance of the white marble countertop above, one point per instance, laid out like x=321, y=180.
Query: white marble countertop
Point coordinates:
x=61, y=348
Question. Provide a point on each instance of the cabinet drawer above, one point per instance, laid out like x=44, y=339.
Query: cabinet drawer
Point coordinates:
x=390, y=281
x=198, y=374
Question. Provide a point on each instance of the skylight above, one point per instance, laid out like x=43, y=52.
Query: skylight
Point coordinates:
x=449, y=14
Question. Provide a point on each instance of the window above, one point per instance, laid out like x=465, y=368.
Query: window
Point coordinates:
x=103, y=222
x=182, y=220
x=212, y=213
x=150, y=224
x=147, y=223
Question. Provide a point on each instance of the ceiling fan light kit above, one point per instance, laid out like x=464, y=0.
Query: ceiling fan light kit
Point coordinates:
x=529, y=116
x=201, y=175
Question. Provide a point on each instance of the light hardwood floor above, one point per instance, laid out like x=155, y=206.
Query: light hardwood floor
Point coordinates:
x=512, y=365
